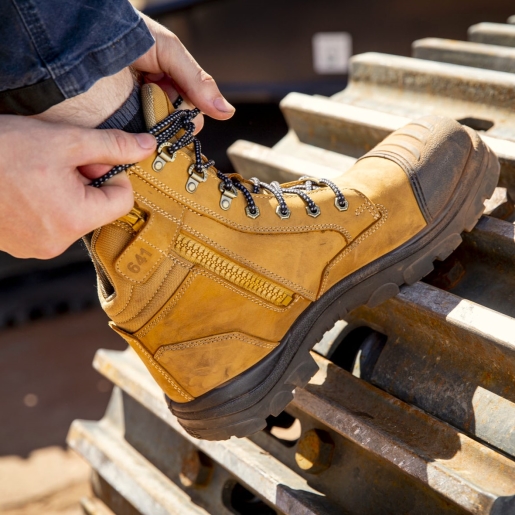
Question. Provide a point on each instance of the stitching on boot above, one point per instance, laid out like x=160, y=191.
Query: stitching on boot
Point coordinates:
x=293, y=285
x=213, y=339
x=160, y=369
x=247, y=279
x=123, y=226
x=156, y=264
x=264, y=271
x=367, y=205
x=94, y=240
x=150, y=204
x=158, y=289
x=234, y=289
x=246, y=228
x=184, y=287
x=413, y=178
x=172, y=303
x=354, y=244
x=125, y=305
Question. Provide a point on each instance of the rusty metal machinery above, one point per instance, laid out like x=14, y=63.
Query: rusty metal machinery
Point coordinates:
x=413, y=409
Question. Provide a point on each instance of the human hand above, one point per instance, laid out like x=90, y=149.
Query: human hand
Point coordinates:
x=46, y=202
x=169, y=64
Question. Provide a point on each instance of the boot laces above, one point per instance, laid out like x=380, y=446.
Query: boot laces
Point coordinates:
x=181, y=120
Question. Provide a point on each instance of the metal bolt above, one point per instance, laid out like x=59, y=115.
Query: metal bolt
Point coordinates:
x=447, y=274
x=196, y=470
x=314, y=452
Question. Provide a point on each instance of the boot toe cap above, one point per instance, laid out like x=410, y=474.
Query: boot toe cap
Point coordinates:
x=433, y=151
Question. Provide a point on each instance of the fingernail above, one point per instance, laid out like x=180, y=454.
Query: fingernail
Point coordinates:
x=146, y=141
x=222, y=105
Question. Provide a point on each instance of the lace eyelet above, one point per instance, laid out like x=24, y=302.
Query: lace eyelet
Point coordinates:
x=194, y=179
x=343, y=207
x=250, y=214
x=163, y=157
x=283, y=216
x=179, y=121
x=315, y=213
x=227, y=196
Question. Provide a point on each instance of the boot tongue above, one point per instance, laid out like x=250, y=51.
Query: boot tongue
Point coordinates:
x=156, y=104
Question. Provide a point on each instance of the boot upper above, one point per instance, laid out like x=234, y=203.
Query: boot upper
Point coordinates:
x=202, y=293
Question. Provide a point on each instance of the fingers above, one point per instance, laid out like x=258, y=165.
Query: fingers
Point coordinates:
x=197, y=85
x=171, y=57
x=104, y=205
x=171, y=89
x=53, y=205
x=109, y=147
x=198, y=120
x=92, y=172
x=164, y=82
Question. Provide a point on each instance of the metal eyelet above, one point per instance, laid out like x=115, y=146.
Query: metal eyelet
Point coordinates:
x=249, y=212
x=281, y=215
x=227, y=196
x=315, y=213
x=194, y=179
x=163, y=157
x=340, y=207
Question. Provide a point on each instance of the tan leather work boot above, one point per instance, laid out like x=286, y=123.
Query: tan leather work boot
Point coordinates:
x=222, y=285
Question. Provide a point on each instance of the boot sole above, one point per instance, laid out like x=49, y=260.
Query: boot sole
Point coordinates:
x=240, y=406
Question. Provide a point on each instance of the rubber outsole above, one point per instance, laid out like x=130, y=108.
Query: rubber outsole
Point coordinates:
x=227, y=412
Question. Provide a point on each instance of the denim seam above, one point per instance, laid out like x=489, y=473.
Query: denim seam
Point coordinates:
x=67, y=80
x=36, y=30
x=66, y=67
x=61, y=72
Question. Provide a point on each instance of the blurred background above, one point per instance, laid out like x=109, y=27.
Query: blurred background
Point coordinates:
x=50, y=320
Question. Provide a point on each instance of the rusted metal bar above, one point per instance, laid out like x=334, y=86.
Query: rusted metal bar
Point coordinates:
x=451, y=464
x=464, y=53
x=412, y=87
x=451, y=357
x=143, y=485
x=336, y=126
x=353, y=130
x=492, y=34
x=154, y=470
x=272, y=165
x=342, y=133
x=274, y=482
x=400, y=448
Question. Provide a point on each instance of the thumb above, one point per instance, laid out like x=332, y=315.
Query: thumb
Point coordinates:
x=104, y=205
x=111, y=146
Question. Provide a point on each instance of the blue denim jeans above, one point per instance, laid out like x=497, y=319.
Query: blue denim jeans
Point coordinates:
x=51, y=50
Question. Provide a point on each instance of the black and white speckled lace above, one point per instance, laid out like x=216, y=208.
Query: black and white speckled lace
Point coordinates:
x=181, y=120
x=174, y=123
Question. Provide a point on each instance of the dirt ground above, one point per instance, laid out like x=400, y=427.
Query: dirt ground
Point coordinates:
x=46, y=381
